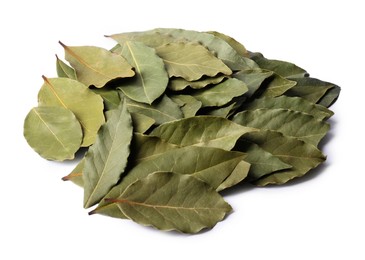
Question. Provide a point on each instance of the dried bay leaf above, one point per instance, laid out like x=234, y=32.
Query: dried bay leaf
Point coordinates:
x=171, y=201
x=291, y=103
x=107, y=157
x=238, y=174
x=151, y=77
x=221, y=48
x=141, y=123
x=96, y=66
x=64, y=70
x=252, y=78
x=311, y=89
x=162, y=110
x=110, y=97
x=150, y=38
x=301, y=155
x=206, y=131
x=75, y=96
x=53, y=132
x=190, y=61
x=238, y=47
x=282, y=68
x=277, y=85
x=291, y=123
x=221, y=93
x=76, y=174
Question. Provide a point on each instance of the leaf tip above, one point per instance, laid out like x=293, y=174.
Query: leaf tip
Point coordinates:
x=65, y=178
x=62, y=44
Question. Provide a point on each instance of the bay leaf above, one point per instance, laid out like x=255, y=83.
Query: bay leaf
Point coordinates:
x=188, y=104
x=219, y=47
x=253, y=79
x=141, y=123
x=96, y=66
x=288, y=122
x=282, y=68
x=53, y=132
x=301, y=155
x=330, y=97
x=190, y=61
x=64, y=70
x=209, y=164
x=76, y=174
x=223, y=111
x=311, y=89
x=206, y=131
x=178, y=84
x=262, y=162
x=277, y=85
x=238, y=174
x=171, y=201
x=75, y=96
x=291, y=103
x=151, y=77
x=237, y=46
x=162, y=110
x=107, y=157
x=221, y=93
x=110, y=97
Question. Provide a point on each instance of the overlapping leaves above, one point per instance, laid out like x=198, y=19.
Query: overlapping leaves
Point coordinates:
x=171, y=117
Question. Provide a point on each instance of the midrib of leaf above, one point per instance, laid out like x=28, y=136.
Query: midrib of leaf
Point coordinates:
x=105, y=164
x=72, y=175
x=82, y=61
x=50, y=129
x=190, y=64
x=120, y=201
x=139, y=71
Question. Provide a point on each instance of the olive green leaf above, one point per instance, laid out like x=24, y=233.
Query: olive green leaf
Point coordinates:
x=110, y=97
x=223, y=111
x=291, y=103
x=190, y=61
x=64, y=70
x=288, y=122
x=283, y=68
x=220, y=94
x=141, y=123
x=188, y=104
x=277, y=85
x=252, y=78
x=151, y=77
x=262, y=162
x=218, y=46
x=75, y=96
x=53, y=132
x=301, y=155
x=178, y=84
x=96, y=66
x=162, y=110
x=330, y=97
x=238, y=47
x=76, y=174
x=210, y=164
x=107, y=157
x=206, y=131
x=238, y=174
x=172, y=201
x=311, y=89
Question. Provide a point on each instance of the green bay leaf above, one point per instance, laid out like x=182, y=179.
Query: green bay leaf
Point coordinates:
x=300, y=155
x=107, y=157
x=188, y=104
x=96, y=66
x=75, y=96
x=53, y=132
x=190, y=61
x=64, y=70
x=75, y=175
x=291, y=123
x=220, y=94
x=171, y=201
x=206, y=131
x=253, y=79
x=151, y=77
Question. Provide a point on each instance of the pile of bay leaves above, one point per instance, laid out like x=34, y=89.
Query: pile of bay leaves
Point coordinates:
x=168, y=118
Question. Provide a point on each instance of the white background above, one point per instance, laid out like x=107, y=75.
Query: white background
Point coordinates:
x=319, y=217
